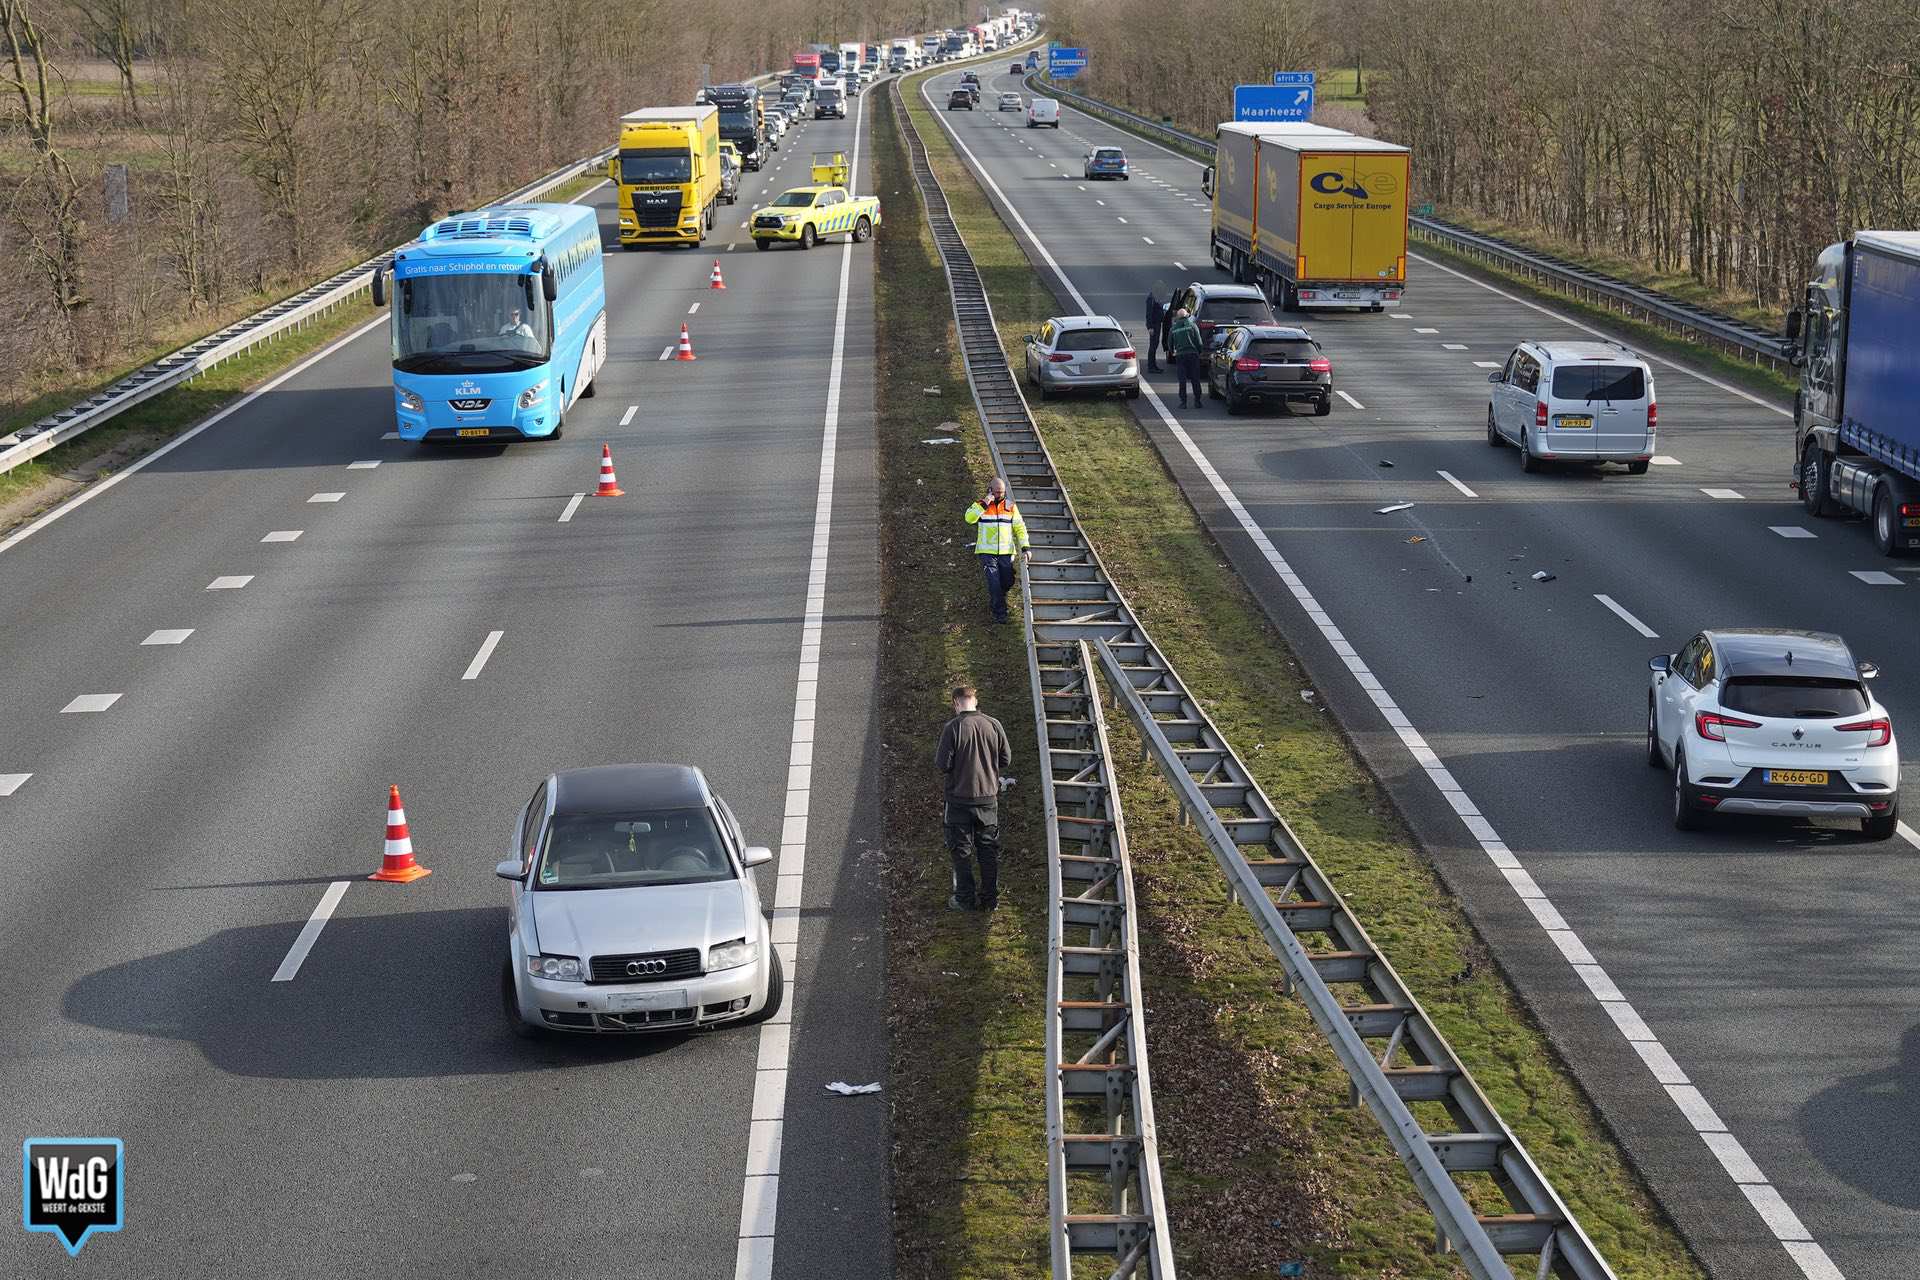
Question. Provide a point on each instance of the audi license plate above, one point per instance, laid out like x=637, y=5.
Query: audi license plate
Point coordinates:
x=675, y=999
x=1581, y=420
x=1796, y=777
x=476, y=431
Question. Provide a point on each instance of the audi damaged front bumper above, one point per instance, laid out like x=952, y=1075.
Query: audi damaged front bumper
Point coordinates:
x=678, y=1004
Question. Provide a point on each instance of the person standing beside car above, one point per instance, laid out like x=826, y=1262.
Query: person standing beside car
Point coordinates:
x=1156, y=317
x=1184, y=342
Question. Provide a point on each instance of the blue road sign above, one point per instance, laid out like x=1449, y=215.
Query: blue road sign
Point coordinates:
x=1272, y=103
x=1065, y=64
x=1295, y=78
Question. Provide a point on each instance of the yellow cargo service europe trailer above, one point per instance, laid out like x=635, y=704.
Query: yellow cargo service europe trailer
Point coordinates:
x=668, y=173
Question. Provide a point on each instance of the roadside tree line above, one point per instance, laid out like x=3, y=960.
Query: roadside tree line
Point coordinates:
x=1725, y=140
x=266, y=142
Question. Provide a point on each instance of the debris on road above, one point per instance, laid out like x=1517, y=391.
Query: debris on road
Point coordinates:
x=1398, y=506
x=941, y=440
x=1541, y=575
x=846, y=1090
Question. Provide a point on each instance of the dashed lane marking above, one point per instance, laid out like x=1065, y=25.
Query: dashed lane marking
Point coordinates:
x=1614, y=607
x=168, y=635
x=1453, y=480
x=1725, y=495
x=333, y=496
x=1662, y=460
x=573, y=505
x=1875, y=577
x=479, y=662
x=1426, y=331
x=230, y=582
x=627, y=417
x=89, y=702
x=1792, y=531
x=310, y=932
x=1349, y=399
x=365, y=464
x=283, y=535
x=12, y=782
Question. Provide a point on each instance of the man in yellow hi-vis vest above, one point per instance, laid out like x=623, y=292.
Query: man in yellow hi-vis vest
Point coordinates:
x=1002, y=533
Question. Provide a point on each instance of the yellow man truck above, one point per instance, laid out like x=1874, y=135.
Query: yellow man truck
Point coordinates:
x=668, y=173
x=1315, y=217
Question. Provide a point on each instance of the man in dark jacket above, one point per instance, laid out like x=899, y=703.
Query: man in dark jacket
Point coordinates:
x=973, y=750
x=1156, y=317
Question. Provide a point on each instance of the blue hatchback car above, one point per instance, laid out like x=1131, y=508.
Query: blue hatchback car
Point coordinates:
x=1106, y=162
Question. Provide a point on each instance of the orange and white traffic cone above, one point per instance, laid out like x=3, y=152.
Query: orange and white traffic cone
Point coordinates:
x=686, y=346
x=397, y=865
x=714, y=281
x=609, y=485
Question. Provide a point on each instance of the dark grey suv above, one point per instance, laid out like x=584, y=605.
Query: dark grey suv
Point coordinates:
x=1217, y=308
x=1274, y=364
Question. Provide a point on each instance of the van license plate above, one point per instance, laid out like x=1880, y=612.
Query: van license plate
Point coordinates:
x=476, y=431
x=1572, y=421
x=1796, y=777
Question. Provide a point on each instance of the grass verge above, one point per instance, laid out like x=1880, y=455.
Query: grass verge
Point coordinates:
x=966, y=994
x=55, y=475
x=1262, y=1162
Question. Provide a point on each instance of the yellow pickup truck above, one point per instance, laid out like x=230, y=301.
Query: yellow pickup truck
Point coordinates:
x=806, y=215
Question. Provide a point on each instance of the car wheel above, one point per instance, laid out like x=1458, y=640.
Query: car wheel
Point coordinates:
x=1685, y=816
x=776, y=991
x=1493, y=433
x=1528, y=463
x=1133, y=392
x=1885, y=538
x=1654, y=759
x=1638, y=467
x=1235, y=405
x=1213, y=389
x=1882, y=827
x=1816, y=470
x=807, y=236
x=1046, y=392
x=1323, y=406
x=517, y=1026
x=862, y=231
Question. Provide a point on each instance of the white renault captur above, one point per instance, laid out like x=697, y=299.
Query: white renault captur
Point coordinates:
x=634, y=907
x=1772, y=722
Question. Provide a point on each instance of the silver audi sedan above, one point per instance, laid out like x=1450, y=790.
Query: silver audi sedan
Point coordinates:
x=634, y=907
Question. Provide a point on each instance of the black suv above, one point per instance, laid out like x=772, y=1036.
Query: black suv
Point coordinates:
x=960, y=98
x=1216, y=308
x=1270, y=362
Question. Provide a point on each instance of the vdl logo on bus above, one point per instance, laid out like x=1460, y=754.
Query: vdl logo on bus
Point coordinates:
x=1361, y=186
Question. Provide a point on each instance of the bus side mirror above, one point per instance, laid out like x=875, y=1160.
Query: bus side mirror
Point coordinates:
x=379, y=286
x=549, y=284
x=613, y=169
x=1206, y=180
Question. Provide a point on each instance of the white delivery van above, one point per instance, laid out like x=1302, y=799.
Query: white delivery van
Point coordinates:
x=1043, y=111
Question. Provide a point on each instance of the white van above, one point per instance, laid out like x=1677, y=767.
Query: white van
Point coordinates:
x=1043, y=111
x=1581, y=402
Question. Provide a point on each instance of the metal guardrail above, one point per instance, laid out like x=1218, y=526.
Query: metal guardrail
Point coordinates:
x=1595, y=287
x=1104, y=1190
x=190, y=361
x=1462, y=1158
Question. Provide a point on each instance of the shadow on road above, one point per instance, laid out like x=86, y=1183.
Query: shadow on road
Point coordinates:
x=1866, y=1129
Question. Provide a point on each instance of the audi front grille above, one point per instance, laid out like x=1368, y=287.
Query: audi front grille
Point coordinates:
x=648, y=966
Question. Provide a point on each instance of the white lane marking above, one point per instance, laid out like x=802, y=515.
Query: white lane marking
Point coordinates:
x=1486, y=364
x=627, y=417
x=327, y=497
x=573, y=505
x=390, y=435
x=1725, y=495
x=1453, y=480
x=1875, y=577
x=11, y=782
x=693, y=309
x=1907, y=833
x=230, y=582
x=139, y=464
x=1148, y=239
x=1662, y=460
x=1426, y=331
x=168, y=635
x=667, y=350
x=730, y=244
x=87, y=702
x=366, y=464
x=1792, y=531
x=1179, y=266
x=283, y=535
x=1453, y=346
x=310, y=932
x=1614, y=607
x=1693, y=1105
x=1349, y=399
x=1118, y=216
x=1080, y=186
x=1401, y=315
x=760, y=1185
x=1101, y=203
x=480, y=659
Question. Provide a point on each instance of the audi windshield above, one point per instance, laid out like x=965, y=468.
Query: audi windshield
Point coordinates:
x=630, y=850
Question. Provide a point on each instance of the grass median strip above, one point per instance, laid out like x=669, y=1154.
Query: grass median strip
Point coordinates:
x=1262, y=1162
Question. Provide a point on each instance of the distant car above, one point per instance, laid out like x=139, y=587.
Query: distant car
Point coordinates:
x=1016, y=68
x=1276, y=364
x=1082, y=353
x=729, y=173
x=1010, y=102
x=1042, y=112
x=1217, y=308
x=634, y=908
x=1581, y=402
x=1105, y=162
x=1774, y=723
x=960, y=100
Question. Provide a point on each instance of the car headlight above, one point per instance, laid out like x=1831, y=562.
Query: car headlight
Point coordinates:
x=412, y=403
x=534, y=394
x=556, y=968
x=730, y=955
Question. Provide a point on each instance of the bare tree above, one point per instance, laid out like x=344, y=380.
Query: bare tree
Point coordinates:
x=114, y=28
x=44, y=209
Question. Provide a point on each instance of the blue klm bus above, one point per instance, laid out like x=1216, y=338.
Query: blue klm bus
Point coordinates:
x=499, y=323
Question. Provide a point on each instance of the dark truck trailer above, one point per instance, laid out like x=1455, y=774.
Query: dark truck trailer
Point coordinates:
x=1856, y=417
x=740, y=121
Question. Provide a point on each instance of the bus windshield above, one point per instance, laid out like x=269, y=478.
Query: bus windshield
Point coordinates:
x=664, y=165
x=470, y=324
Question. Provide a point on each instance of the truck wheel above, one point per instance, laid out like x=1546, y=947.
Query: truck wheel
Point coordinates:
x=1886, y=537
x=1816, y=470
x=807, y=236
x=1289, y=296
x=862, y=231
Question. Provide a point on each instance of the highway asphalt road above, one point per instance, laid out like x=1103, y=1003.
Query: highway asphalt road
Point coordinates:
x=1774, y=964
x=372, y=1116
